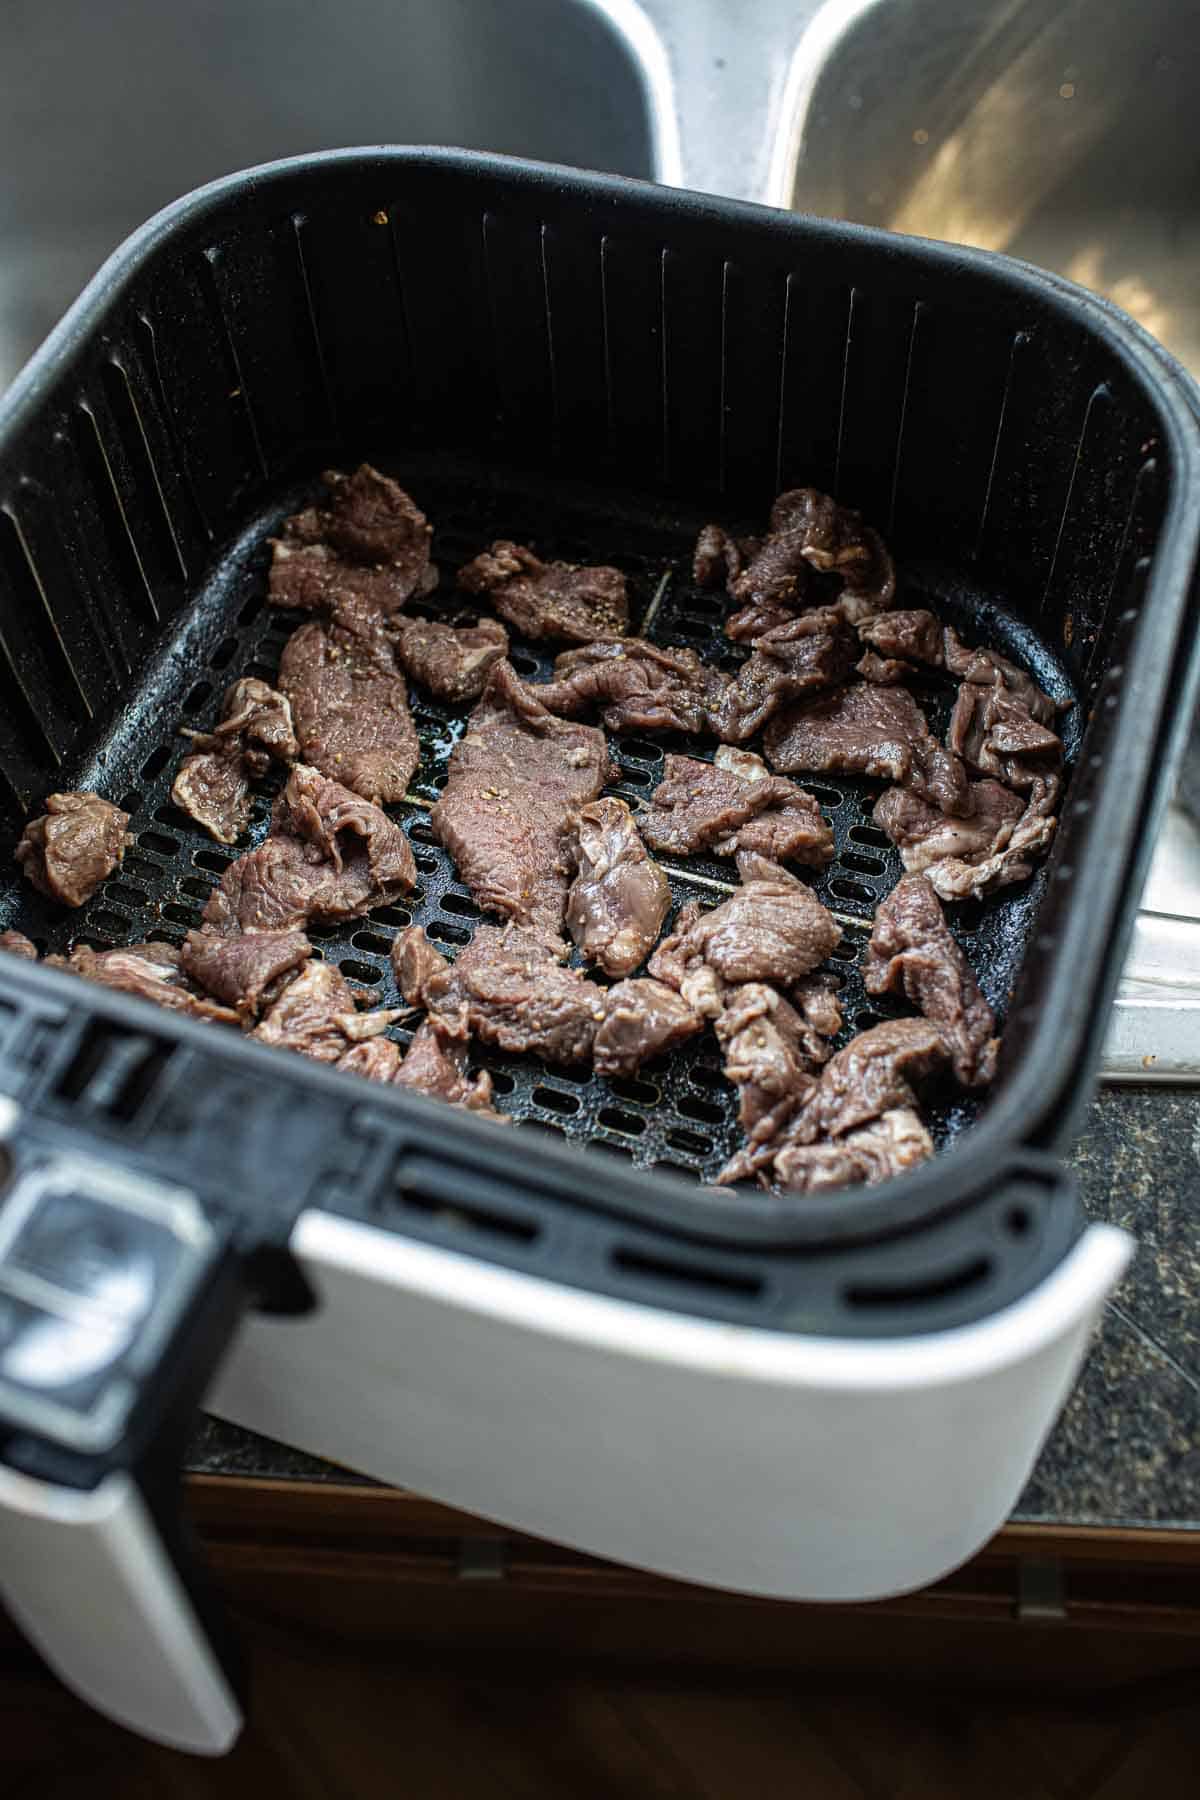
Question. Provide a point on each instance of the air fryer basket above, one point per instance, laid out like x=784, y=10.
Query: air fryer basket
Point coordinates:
x=597, y=367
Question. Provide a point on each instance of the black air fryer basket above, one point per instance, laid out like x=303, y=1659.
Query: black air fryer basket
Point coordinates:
x=596, y=366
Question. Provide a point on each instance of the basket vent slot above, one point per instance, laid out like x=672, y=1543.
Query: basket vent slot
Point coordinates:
x=876, y=1295
x=114, y=1072
x=687, y=1274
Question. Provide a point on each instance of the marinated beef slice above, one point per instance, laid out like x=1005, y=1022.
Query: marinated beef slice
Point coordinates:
x=733, y=803
x=549, y=600
x=450, y=662
x=369, y=540
x=74, y=846
x=350, y=703
x=517, y=779
x=870, y=1079
x=506, y=987
x=992, y=847
x=636, y=686
x=889, y=1145
x=772, y=1048
x=771, y=929
x=213, y=783
x=912, y=952
x=642, y=1019
x=247, y=970
x=15, y=943
x=801, y=657
x=151, y=971
x=316, y=1014
x=437, y=1066
x=868, y=730
x=771, y=578
x=619, y=897
x=330, y=855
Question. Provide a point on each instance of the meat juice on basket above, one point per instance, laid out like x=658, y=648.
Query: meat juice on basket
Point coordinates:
x=561, y=866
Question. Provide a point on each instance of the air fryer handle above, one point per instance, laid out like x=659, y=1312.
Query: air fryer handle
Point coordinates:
x=101, y=1593
x=118, y=1297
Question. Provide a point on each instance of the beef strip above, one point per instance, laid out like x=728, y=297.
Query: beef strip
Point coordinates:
x=731, y=804
x=316, y=1015
x=437, y=1066
x=991, y=847
x=910, y=634
x=619, y=898
x=370, y=540
x=875, y=1073
x=517, y=778
x=151, y=971
x=17, y=944
x=549, y=600
x=75, y=844
x=772, y=577
x=679, y=963
x=762, y=1035
x=507, y=987
x=244, y=971
x=642, y=1019
x=889, y=1145
x=884, y=671
x=452, y=662
x=868, y=730
x=771, y=929
x=350, y=703
x=213, y=783
x=330, y=855
x=637, y=686
x=804, y=656
x=994, y=733
x=870, y=1077
x=912, y=952
x=376, y=1059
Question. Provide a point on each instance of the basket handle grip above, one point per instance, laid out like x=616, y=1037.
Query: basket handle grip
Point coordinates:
x=118, y=1297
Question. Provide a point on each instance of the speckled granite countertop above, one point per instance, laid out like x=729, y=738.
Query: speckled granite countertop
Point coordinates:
x=1127, y=1448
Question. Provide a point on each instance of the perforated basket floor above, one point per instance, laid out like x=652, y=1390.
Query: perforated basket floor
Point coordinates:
x=679, y=1112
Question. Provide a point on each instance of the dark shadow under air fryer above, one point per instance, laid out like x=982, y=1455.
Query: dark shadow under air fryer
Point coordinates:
x=596, y=367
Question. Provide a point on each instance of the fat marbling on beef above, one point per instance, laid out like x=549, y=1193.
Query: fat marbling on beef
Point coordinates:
x=75, y=844
x=619, y=897
x=213, y=783
x=369, y=540
x=549, y=600
x=733, y=803
x=868, y=730
x=517, y=779
x=350, y=703
x=911, y=952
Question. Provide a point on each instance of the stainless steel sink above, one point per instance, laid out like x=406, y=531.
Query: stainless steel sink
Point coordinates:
x=107, y=112
x=1052, y=131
